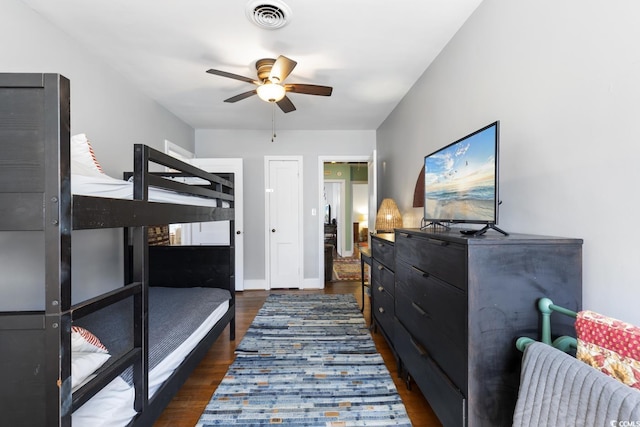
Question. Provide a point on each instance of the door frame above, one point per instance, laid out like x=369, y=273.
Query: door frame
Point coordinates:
x=340, y=215
x=267, y=219
x=372, y=164
x=174, y=150
x=320, y=222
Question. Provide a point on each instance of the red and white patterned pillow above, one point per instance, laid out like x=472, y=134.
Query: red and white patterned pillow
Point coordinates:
x=84, y=341
x=609, y=345
x=83, y=158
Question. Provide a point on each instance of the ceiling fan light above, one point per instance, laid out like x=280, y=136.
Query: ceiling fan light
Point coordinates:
x=271, y=92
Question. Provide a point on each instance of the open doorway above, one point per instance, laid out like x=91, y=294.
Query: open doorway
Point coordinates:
x=344, y=210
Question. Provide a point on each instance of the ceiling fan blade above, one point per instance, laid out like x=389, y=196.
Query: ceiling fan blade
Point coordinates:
x=286, y=105
x=231, y=76
x=309, y=89
x=241, y=96
x=281, y=69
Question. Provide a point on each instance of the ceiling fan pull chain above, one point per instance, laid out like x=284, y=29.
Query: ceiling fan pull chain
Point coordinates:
x=273, y=121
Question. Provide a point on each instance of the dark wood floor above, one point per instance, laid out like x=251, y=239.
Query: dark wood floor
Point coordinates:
x=186, y=407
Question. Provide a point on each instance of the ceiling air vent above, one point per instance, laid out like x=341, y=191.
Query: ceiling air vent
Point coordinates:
x=271, y=14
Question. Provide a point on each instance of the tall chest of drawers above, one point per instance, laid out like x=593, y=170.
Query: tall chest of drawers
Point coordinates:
x=383, y=283
x=461, y=302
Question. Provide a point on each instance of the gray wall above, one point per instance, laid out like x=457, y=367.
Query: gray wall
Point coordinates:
x=253, y=146
x=114, y=115
x=563, y=79
x=111, y=111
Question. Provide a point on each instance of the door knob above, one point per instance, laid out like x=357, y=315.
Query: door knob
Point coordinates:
x=238, y=232
x=273, y=230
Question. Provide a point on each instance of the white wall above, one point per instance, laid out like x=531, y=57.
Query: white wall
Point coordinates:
x=252, y=146
x=114, y=115
x=563, y=79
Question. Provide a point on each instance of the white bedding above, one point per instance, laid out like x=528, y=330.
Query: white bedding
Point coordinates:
x=89, y=179
x=105, y=186
x=113, y=405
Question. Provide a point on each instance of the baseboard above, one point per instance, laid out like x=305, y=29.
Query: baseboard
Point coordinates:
x=313, y=283
x=255, y=285
x=261, y=284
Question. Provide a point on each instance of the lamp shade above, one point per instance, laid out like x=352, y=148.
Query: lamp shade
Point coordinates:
x=388, y=216
x=271, y=92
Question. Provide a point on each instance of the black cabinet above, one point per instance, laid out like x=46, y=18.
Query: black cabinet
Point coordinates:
x=383, y=283
x=461, y=302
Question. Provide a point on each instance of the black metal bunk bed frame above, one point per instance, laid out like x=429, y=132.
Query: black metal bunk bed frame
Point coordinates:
x=35, y=195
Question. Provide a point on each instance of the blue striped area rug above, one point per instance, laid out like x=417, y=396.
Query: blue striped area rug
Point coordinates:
x=307, y=360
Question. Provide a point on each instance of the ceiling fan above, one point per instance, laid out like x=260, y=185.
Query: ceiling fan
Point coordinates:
x=270, y=83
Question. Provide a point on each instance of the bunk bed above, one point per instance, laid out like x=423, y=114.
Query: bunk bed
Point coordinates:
x=117, y=325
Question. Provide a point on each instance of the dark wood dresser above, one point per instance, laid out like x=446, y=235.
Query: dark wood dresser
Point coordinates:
x=383, y=283
x=459, y=303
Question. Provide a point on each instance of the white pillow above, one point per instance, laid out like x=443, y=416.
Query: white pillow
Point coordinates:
x=110, y=407
x=84, y=364
x=87, y=355
x=83, y=159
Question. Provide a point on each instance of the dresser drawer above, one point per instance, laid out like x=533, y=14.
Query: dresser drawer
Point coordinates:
x=383, y=309
x=382, y=250
x=435, y=314
x=443, y=259
x=446, y=400
x=384, y=277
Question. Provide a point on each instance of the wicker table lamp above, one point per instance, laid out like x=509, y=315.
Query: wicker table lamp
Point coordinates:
x=388, y=216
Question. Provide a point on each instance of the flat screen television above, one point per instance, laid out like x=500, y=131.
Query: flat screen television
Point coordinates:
x=461, y=181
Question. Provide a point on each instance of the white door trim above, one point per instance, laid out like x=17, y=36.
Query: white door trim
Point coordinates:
x=340, y=216
x=267, y=248
x=177, y=151
x=373, y=192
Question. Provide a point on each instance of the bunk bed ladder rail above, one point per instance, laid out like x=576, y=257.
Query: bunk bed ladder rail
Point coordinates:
x=140, y=273
x=564, y=343
x=219, y=188
x=140, y=240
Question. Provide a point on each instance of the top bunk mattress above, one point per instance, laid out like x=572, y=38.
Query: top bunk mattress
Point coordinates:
x=105, y=186
x=89, y=179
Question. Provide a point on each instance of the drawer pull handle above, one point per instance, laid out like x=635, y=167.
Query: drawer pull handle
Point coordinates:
x=380, y=288
x=438, y=242
x=381, y=310
x=380, y=268
x=407, y=235
x=419, y=309
x=419, y=348
x=420, y=272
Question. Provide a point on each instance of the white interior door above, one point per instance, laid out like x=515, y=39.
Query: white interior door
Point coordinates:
x=217, y=232
x=373, y=193
x=284, y=221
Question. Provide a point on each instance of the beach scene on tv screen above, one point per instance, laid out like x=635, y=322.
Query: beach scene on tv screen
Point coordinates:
x=460, y=180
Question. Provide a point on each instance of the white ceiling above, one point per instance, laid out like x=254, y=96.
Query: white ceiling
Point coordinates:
x=370, y=51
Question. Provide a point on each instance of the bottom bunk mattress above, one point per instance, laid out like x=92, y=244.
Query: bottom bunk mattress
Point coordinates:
x=179, y=318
